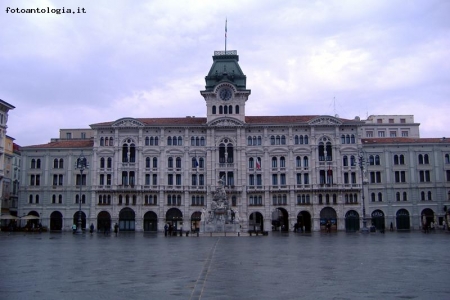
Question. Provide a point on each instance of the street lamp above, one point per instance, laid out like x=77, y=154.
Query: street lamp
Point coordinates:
x=81, y=165
x=362, y=165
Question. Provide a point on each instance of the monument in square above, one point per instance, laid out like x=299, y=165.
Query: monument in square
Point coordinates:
x=219, y=216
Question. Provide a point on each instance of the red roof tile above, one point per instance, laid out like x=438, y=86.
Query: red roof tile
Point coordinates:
x=64, y=144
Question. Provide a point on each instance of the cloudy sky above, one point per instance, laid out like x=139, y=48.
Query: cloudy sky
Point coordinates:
x=149, y=59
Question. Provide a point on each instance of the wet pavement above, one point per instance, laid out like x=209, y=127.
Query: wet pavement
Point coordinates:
x=340, y=265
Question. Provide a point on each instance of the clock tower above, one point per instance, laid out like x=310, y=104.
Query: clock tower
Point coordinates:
x=225, y=91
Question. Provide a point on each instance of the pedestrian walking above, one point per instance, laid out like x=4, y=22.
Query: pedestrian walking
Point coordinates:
x=391, y=228
x=91, y=228
x=166, y=228
x=74, y=228
x=116, y=228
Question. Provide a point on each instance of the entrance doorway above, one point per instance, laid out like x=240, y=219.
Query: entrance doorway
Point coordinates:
x=175, y=217
x=196, y=217
x=378, y=220
x=351, y=221
x=256, y=221
x=83, y=219
x=104, y=221
x=280, y=219
x=150, y=221
x=402, y=218
x=328, y=214
x=126, y=219
x=56, y=220
x=304, y=221
x=427, y=218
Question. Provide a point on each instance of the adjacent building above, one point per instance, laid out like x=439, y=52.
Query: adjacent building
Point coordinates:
x=280, y=172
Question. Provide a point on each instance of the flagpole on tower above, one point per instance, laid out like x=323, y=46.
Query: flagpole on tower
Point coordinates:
x=225, y=36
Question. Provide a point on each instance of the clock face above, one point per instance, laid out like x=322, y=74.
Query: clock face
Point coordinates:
x=225, y=94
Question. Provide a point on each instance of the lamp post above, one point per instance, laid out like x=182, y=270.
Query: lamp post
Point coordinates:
x=81, y=165
x=362, y=165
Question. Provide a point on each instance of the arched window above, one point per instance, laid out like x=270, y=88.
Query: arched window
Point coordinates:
x=237, y=109
x=402, y=159
x=277, y=140
x=180, y=141
x=343, y=139
x=170, y=162
x=251, y=163
x=111, y=141
x=345, y=161
x=230, y=109
x=396, y=162
x=420, y=159
x=298, y=162
x=109, y=163
x=272, y=140
x=38, y=163
x=306, y=140
x=282, y=162
x=380, y=197
x=296, y=140
x=102, y=142
x=371, y=160
x=147, y=162
x=155, y=162
x=426, y=159
x=305, y=162
x=372, y=197
x=397, y=196
x=61, y=163
x=405, y=196
x=447, y=158
x=422, y=196
x=249, y=141
x=347, y=139
x=429, y=195
x=102, y=162
x=55, y=163
x=283, y=140
x=220, y=110
x=225, y=109
x=377, y=160
x=178, y=162
x=169, y=141
x=274, y=162
x=352, y=161
x=201, y=163
x=352, y=139
x=214, y=110
x=147, y=141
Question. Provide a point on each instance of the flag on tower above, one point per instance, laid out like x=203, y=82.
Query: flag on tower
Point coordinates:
x=258, y=164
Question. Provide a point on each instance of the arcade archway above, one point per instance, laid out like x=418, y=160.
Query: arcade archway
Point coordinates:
x=402, y=219
x=174, y=216
x=378, y=220
x=150, y=221
x=280, y=219
x=83, y=219
x=56, y=220
x=304, y=221
x=427, y=217
x=352, y=221
x=127, y=219
x=256, y=221
x=196, y=217
x=328, y=214
x=104, y=221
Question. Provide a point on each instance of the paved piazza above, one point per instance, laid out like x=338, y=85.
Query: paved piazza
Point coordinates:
x=340, y=265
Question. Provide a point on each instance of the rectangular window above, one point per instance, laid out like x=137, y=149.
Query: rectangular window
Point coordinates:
x=147, y=179
x=68, y=135
x=393, y=134
x=391, y=121
x=448, y=175
x=170, y=179
x=251, y=179
x=60, y=179
x=155, y=179
x=306, y=178
x=403, y=176
x=346, y=181
x=379, y=121
x=283, y=179
x=258, y=179
x=369, y=134
x=83, y=135
x=55, y=179
x=404, y=133
x=80, y=180
x=403, y=121
x=274, y=179
x=178, y=179
x=353, y=177
x=108, y=179
x=381, y=134
x=102, y=179
x=299, y=178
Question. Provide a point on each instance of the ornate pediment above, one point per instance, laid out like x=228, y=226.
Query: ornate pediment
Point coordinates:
x=225, y=123
x=325, y=120
x=128, y=122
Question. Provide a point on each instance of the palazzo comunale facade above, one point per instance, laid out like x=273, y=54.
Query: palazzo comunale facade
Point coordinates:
x=278, y=170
